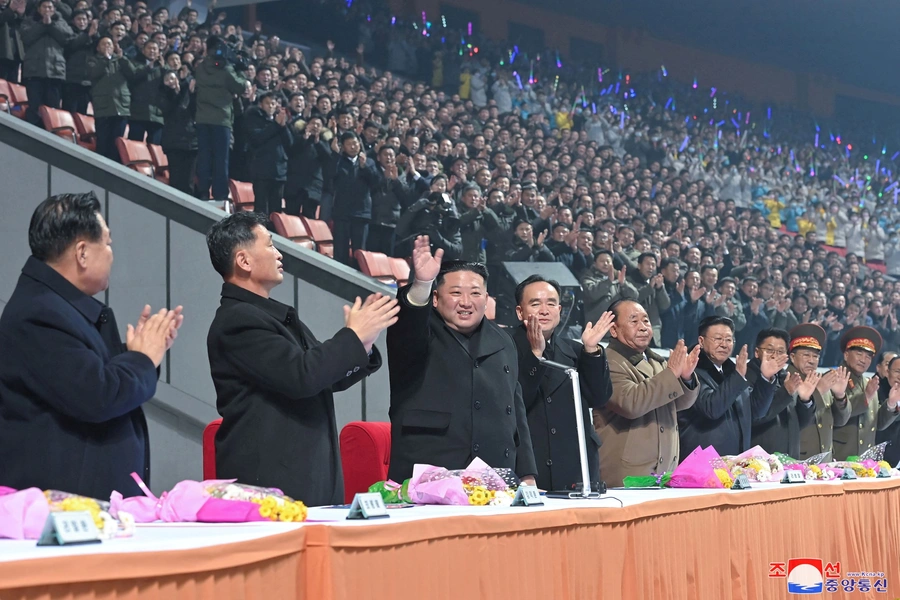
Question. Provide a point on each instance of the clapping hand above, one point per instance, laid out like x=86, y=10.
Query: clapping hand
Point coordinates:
x=826, y=381
x=894, y=397
x=791, y=382
x=690, y=363
x=840, y=381
x=621, y=277
x=426, y=266
x=540, y=239
x=769, y=365
x=154, y=334
x=740, y=363
x=368, y=319
x=808, y=386
x=536, y=338
x=872, y=388
x=175, y=325
x=593, y=333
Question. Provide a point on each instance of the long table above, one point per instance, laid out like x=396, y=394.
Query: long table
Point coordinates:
x=680, y=544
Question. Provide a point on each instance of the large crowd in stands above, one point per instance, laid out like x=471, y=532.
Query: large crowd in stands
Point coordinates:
x=693, y=201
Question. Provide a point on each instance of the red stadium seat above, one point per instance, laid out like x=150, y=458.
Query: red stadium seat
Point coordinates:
x=400, y=269
x=59, y=122
x=5, y=101
x=491, y=310
x=160, y=163
x=375, y=265
x=292, y=228
x=365, y=455
x=19, y=98
x=135, y=155
x=87, y=132
x=321, y=234
x=209, y=449
x=242, y=195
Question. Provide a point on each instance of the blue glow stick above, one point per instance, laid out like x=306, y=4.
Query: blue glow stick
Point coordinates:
x=817, y=140
x=747, y=120
x=617, y=89
x=668, y=102
x=892, y=186
x=896, y=154
x=712, y=92
x=840, y=181
x=594, y=107
x=735, y=123
x=877, y=164
x=684, y=144
x=769, y=113
x=600, y=74
x=720, y=123
x=622, y=120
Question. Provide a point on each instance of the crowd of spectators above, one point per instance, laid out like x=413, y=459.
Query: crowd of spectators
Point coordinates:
x=693, y=201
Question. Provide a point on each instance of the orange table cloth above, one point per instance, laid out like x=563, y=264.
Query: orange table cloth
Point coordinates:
x=712, y=545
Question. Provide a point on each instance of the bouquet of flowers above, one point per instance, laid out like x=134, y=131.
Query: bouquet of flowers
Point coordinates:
x=213, y=501
x=477, y=485
x=756, y=464
x=23, y=513
x=702, y=468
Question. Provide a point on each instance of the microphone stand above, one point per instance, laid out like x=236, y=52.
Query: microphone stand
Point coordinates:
x=586, y=489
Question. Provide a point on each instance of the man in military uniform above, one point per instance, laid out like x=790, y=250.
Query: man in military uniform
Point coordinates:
x=859, y=345
x=830, y=396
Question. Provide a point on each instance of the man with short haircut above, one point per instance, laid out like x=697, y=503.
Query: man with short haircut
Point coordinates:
x=638, y=425
x=729, y=396
x=70, y=391
x=275, y=381
x=891, y=434
x=547, y=392
x=778, y=430
x=648, y=287
x=830, y=395
x=455, y=392
x=860, y=345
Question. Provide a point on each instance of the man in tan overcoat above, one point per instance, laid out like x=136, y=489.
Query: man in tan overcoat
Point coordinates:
x=638, y=427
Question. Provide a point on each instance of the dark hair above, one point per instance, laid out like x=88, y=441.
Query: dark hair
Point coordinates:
x=348, y=135
x=227, y=235
x=266, y=96
x=614, y=307
x=776, y=333
x=520, y=289
x=645, y=255
x=669, y=261
x=708, y=322
x=460, y=265
x=59, y=221
x=212, y=42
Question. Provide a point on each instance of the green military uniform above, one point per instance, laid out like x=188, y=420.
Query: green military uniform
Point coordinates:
x=817, y=436
x=866, y=417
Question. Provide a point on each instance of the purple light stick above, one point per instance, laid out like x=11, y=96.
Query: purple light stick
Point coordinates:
x=712, y=92
x=622, y=120
x=684, y=144
x=668, y=102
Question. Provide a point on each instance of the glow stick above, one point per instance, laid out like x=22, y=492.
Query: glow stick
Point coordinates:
x=747, y=120
x=469, y=29
x=769, y=113
x=393, y=20
x=668, y=102
x=600, y=74
x=877, y=164
x=896, y=154
x=622, y=121
x=617, y=89
x=892, y=186
x=720, y=123
x=840, y=181
x=594, y=107
x=884, y=149
x=735, y=123
x=664, y=72
x=817, y=140
x=684, y=144
x=712, y=92
x=695, y=83
x=558, y=62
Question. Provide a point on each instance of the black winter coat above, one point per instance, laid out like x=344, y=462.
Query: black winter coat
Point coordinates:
x=450, y=402
x=79, y=52
x=352, y=183
x=306, y=160
x=389, y=198
x=268, y=144
x=70, y=392
x=549, y=403
x=11, y=46
x=725, y=407
x=178, y=109
x=274, y=389
x=778, y=430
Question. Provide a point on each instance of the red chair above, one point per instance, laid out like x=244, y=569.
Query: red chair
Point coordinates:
x=375, y=265
x=321, y=234
x=135, y=155
x=87, y=131
x=293, y=229
x=209, y=449
x=160, y=163
x=5, y=101
x=19, y=98
x=59, y=122
x=365, y=455
x=400, y=269
x=242, y=195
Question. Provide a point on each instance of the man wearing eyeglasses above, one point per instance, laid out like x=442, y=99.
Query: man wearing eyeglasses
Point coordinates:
x=729, y=396
x=830, y=396
x=792, y=406
x=860, y=345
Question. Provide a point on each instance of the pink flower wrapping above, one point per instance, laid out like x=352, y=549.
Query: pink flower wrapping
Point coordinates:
x=697, y=470
x=437, y=485
x=23, y=514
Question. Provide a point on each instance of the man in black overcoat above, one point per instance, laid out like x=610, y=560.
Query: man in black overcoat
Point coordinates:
x=70, y=390
x=547, y=392
x=274, y=380
x=455, y=391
